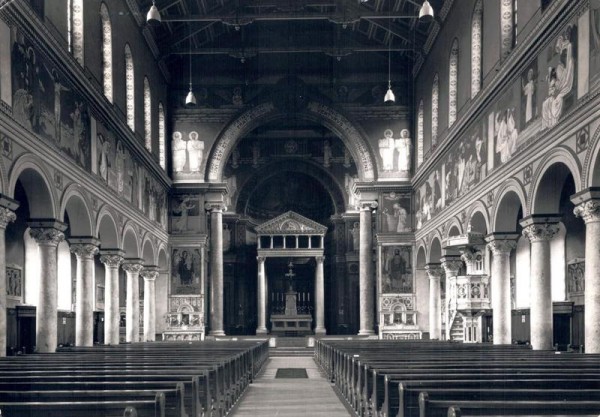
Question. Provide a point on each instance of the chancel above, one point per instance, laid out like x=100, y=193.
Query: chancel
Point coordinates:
x=194, y=191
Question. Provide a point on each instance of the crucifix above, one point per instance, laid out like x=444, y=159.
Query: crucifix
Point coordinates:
x=290, y=296
x=290, y=276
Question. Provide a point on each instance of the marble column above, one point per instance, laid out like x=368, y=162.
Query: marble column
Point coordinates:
x=320, y=296
x=435, y=273
x=48, y=234
x=133, y=267
x=150, y=273
x=366, y=276
x=216, y=266
x=588, y=208
x=111, y=259
x=6, y=216
x=540, y=229
x=501, y=244
x=262, y=296
x=84, y=248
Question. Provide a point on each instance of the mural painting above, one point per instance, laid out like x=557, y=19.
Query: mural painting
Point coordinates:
x=395, y=213
x=529, y=87
x=45, y=103
x=396, y=269
x=186, y=214
x=594, y=44
x=428, y=199
x=395, y=153
x=504, y=127
x=185, y=271
x=188, y=155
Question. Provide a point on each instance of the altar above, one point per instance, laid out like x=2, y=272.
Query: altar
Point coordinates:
x=291, y=323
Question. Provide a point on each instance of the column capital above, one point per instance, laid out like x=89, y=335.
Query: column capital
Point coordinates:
x=367, y=205
x=47, y=231
x=133, y=265
x=149, y=273
x=215, y=207
x=111, y=257
x=434, y=271
x=6, y=216
x=84, y=247
x=261, y=259
x=589, y=211
x=320, y=259
x=540, y=227
x=451, y=264
x=501, y=243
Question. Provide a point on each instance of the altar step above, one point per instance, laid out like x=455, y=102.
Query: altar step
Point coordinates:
x=279, y=352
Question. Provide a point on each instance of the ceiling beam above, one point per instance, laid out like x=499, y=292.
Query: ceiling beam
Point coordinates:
x=250, y=52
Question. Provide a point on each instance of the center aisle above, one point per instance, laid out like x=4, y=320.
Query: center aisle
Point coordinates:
x=269, y=396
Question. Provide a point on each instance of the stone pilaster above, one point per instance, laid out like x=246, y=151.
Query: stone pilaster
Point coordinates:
x=588, y=208
x=320, y=296
x=84, y=248
x=7, y=215
x=540, y=229
x=262, y=296
x=366, y=276
x=501, y=244
x=216, y=266
x=435, y=272
x=112, y=260
x=48, y=234
x=133, y=267
x=149, y=273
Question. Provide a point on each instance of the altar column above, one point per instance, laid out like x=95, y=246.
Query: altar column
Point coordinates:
x=111, y=259
x=320, y=297
x=540, y=229
x=366, y=277
x=216, y=266
x=48, y=234
x=501, y=244
x=262, y=296
x=133, y=267
x=7, y=215
x=149, y=274
x=84, y=249
x=588, y=208
x=435, y=272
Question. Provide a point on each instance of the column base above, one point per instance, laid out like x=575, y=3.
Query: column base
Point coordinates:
x=216, y=333
x=366, y=333
x=261, y=331
x=321, y=332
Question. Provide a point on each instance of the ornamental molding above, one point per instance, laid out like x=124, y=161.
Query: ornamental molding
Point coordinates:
x=291, y=223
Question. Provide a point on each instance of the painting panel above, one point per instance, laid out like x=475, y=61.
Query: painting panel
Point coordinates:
x=430, y=200
x=396, y=269
x=188, y=155
x=529, y=92
x=186, y=214
x=395, y=153
x=185, y=271
x=505, y=121
x=395, y=213
x=594, y=44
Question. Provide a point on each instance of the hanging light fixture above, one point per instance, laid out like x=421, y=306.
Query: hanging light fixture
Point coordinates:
x=426, y=12
x=153, y=16
x=190, y=99
x=389, y=96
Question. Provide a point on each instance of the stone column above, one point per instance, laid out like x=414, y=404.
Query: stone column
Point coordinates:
x=366, y=277
x=149, y=274
x=112, y=259
x=435, y=273
x=501, y=244
x=540, y=229
x=48, y=234
x=84, y=248
x=588, y=208
x=7, y=216
x=133, y=267
x=262, y=296
x=216, y=266
x=320, y=296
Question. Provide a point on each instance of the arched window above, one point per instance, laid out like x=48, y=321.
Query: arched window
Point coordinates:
x=420, y=131
x=75, y=29
x=452, y=82
x=162, y=159
x=107, y=77
x=129, y=88
x=476, y=39
x=507, y=27
x=147, y=115
x=435, y=97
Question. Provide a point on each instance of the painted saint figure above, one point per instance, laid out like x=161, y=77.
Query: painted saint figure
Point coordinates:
x=195, y=149
x=179, y=148
x=386, y=150
x=560, y=81
x=529, y=93
x=403, y=147
x=184, y=207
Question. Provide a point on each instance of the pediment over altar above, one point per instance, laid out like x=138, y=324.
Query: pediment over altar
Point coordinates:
x=291, y=223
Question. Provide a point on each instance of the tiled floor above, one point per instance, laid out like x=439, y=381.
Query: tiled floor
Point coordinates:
x=268, y=396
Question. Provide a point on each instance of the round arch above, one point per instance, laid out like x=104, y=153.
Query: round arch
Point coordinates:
x=553, y=169
x=515, y=192
x=351, y=135
x=162, y=260
x=75, y=205
x=421, y=255
x=38, y=188
x=435, y=248
x=591, y=165
x=475, y=208
x=106, y=229
x=130, y=242
x=148, y=252
x=454, y=227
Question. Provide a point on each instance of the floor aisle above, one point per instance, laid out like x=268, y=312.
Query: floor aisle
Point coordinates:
x=291, y=397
